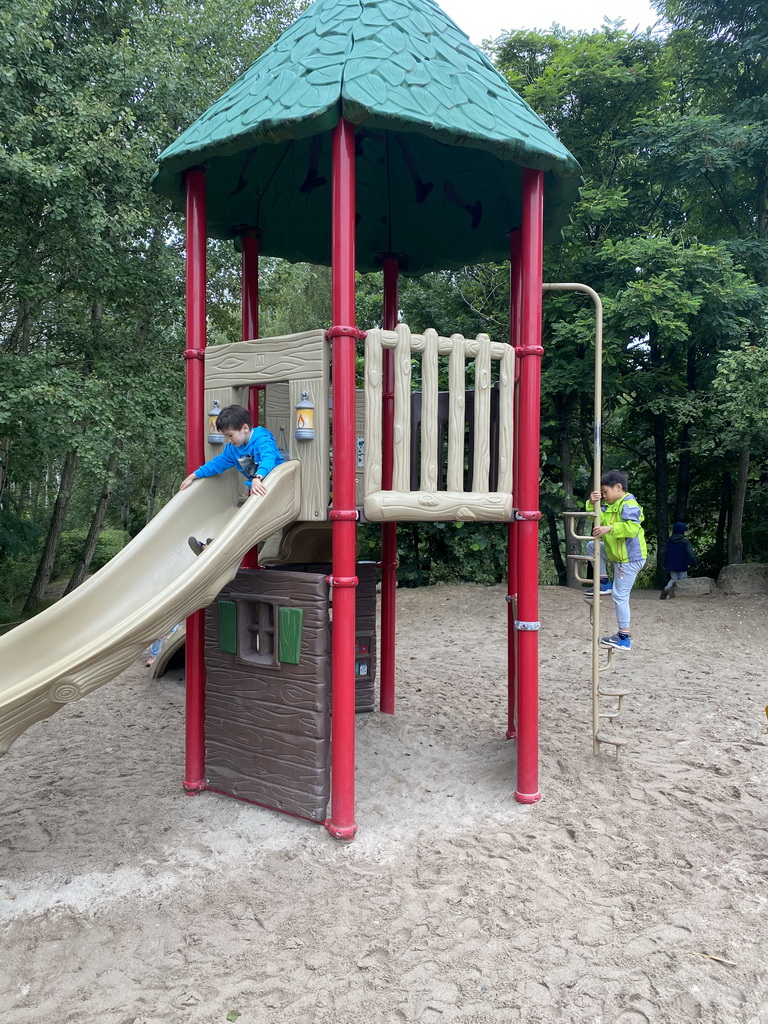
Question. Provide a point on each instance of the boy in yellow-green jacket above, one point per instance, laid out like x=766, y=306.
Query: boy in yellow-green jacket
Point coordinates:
x=622, y=541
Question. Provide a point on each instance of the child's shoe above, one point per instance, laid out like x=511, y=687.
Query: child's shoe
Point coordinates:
x=606, y=587
x=198, y=546
x=664, y=595
x=618, y=642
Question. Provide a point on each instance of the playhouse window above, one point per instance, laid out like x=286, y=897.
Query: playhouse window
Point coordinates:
x=260, y=646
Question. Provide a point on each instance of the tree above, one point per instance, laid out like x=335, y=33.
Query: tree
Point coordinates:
x=91, y=274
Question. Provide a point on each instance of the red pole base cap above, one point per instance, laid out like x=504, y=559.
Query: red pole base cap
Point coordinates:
x=193, y=788
x=346, y=832
x=527, y=798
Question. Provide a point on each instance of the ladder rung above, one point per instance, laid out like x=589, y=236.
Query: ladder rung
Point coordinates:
x=612, y=693
x=582, y=558
x=617, y=741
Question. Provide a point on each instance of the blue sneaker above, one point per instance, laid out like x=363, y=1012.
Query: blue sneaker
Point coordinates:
x=620, y=643
x=606, y=587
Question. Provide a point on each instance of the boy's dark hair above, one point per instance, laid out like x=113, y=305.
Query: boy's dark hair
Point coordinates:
x=613, y=477
x=233, y=417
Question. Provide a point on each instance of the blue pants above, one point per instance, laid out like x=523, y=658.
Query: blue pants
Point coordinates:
x=157, y=645
x=624, y=576
x=674, y=576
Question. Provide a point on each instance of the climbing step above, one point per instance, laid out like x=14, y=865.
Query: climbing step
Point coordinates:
x=612, y=693
x=617, y=741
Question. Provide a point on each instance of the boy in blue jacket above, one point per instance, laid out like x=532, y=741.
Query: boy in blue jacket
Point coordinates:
x=251, y=450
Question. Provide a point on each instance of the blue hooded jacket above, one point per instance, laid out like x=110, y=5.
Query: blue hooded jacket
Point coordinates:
x=260, y=446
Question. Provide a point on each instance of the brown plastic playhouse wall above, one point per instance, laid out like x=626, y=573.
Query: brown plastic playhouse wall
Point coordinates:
x=267, y=721
x=365, y=626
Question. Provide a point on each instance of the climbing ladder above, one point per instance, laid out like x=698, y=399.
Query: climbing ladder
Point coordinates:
x=607, y=701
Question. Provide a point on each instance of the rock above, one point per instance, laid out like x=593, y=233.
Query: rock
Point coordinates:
x=698, y=586
x=744, y=578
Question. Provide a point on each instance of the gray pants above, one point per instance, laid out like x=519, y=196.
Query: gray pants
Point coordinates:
x=624, y=576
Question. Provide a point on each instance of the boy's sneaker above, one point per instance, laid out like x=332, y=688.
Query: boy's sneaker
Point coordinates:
x=606, y=587
x=620, y=643
x=198, y=546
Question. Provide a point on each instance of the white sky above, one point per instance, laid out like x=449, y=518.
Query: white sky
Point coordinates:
x=485, y=19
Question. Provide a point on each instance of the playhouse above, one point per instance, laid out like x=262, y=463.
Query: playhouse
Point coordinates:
x=372, y=135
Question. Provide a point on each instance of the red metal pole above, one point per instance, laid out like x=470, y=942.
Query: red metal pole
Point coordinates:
x=250, y=330
x=527, y=623
x=344, y=334
x=250, y=273
x=515, y=327
x=194, y=778
x=388, y=530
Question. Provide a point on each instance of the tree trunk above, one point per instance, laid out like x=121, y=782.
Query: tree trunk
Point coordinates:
x=735, y=543
x=662, y=492
x=48, y=557
x=684, y=466
x=152, y=497
x=723, y=520
x=84, y=561
x=5, y=448
x=572, y=547
x=557, y=557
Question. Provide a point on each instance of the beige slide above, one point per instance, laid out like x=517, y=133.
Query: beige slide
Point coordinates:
x=95, y=632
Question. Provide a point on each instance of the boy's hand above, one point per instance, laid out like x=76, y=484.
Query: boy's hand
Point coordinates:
x=187, y=482
x=600, y=531
x=257, y=486
x=595, y=496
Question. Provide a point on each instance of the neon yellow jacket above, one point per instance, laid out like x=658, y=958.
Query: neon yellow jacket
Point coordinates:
x=626, y=541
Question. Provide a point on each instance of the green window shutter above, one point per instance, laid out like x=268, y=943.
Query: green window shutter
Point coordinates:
x=227, y=626
x=289, y=623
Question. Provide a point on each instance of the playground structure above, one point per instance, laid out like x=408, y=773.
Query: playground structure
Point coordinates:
x=371, y=136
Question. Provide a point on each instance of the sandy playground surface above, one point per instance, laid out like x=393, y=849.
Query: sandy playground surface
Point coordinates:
x=632, y=893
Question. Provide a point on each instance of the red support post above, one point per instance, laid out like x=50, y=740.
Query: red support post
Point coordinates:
x=250, y=330
x=388, y=530
x=528, y=516
x=515, y=327
x=194, y=777
x=250, y=285
x=344, y=334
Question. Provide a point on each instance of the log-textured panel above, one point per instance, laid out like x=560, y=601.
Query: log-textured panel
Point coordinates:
x=484, y=444
x=288, y=365
x=365, y=626
x=267, y=724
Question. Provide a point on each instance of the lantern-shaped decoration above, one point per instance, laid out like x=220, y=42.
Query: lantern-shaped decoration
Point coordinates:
x=305, y=418
x=214, y=434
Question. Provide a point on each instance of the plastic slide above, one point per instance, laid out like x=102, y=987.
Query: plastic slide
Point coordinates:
x=98, y=630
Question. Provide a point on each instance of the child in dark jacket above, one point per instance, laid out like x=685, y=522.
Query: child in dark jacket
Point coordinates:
x=679, y=559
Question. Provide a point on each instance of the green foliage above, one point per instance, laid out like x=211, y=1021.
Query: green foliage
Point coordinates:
x=107, y=546
x=18, y=574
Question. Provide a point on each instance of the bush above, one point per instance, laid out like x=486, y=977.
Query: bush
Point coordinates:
x=71, y=545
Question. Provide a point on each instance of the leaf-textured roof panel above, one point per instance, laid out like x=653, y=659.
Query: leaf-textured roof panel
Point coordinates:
x=398, y=69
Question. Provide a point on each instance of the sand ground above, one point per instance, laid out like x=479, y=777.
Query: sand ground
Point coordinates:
x=633, y=892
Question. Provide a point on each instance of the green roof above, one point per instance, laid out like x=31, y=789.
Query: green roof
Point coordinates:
x=441, y=140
